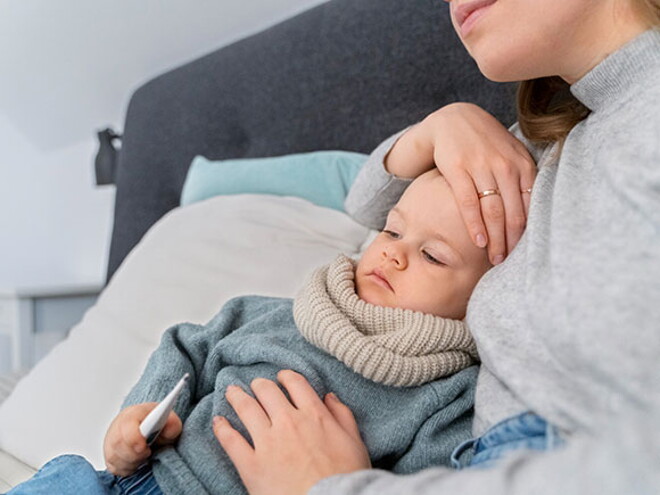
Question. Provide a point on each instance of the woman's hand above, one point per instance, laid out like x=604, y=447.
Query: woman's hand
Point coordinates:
x=475, y=153
x=124, y=447
x=295, y=445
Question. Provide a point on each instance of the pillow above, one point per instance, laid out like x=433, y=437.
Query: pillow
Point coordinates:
x=184, y=269
x=322, y=177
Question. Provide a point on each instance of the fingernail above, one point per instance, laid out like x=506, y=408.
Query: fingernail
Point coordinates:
x=217, y=420
x=481, y=240
x=332, y=396
x=498, y=259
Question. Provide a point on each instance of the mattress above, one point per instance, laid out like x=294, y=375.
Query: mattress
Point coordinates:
x=12, y=471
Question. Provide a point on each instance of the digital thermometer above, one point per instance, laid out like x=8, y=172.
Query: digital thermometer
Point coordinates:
x=152, y=425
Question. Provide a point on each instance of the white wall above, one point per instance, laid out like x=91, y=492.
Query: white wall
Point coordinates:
x=67, y=68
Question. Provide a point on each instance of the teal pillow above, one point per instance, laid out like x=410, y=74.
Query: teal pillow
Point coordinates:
x=322, y=177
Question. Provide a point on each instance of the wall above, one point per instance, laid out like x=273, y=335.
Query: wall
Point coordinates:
x=67, y=69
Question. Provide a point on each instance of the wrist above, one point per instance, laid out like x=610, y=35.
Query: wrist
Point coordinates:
x=412, y=154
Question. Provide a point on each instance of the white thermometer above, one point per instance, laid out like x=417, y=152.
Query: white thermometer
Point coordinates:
x=152, y=425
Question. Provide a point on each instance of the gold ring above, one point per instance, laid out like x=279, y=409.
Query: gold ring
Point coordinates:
x=527, y=191
x=488, y=192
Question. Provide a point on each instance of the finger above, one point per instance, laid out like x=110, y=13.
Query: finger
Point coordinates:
x=465, y=192
x=171, y=431
x=514, y=210
x=123, y=468
x=492, y=211
x=301, y=392
x=132, y=440
x=527, y=177
x=249, y=411
x=343, y=415
x=238, y=449
x=526, y=193
x=271, y=397
x=125, y=460
x=118, y=470
x=527, y=169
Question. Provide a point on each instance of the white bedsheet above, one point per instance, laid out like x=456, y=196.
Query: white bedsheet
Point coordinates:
x=12, y=471
x=190, y=263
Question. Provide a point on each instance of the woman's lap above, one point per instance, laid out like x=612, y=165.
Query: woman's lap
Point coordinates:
x=526, y=431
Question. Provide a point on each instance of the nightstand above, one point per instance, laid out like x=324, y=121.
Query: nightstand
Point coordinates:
x=34, y=319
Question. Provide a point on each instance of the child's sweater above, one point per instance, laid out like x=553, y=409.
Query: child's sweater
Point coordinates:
x=405, y=428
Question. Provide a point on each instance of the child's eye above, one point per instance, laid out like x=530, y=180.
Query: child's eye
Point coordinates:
x=391, y=233
x=431, y=259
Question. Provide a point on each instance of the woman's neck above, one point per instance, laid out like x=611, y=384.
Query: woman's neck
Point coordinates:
x=605, y=36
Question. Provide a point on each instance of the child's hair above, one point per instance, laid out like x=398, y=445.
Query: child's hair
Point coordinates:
x=547, y=110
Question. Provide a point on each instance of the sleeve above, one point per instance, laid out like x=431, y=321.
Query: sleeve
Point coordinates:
x=621, y=459
x=375, y=191
x=183, y=349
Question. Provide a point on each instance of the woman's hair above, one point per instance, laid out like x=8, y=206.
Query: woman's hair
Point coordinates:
x=547, y=110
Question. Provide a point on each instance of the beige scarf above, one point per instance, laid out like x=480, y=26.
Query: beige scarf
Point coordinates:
x=393, y=346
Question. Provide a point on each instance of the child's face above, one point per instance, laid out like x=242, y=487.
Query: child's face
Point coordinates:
x=424, y=259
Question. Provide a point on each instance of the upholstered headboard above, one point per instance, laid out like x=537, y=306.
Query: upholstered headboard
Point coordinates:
x=343, y=75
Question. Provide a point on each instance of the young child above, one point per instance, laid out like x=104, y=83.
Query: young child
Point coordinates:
x=386, y=334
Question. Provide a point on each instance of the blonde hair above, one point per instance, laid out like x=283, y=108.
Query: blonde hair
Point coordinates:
x=547, y=110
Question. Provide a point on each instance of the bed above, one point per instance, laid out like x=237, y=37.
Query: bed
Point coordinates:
x=338, y=78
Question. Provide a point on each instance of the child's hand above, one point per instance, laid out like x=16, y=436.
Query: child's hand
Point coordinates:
x=124, y=447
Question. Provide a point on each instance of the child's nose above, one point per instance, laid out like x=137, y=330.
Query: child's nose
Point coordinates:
x=397, y=255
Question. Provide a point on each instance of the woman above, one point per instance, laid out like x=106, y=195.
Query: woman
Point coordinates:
x=567, y=327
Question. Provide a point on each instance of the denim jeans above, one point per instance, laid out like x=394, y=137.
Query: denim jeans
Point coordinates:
x=525, y=431
x=74, y=475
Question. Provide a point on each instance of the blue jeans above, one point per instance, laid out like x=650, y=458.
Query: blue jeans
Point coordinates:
x=74, y=475
x=525, y=431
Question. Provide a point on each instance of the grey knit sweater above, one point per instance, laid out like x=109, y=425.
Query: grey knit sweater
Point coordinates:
x=255, y=337
x=569, y=325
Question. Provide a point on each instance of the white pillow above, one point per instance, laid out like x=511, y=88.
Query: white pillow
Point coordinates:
x=191, y=262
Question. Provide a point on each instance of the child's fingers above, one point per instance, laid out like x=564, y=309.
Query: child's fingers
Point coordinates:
x=131, y=437
x=171, y=431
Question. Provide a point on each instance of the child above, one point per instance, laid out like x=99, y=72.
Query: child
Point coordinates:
x=387, y=335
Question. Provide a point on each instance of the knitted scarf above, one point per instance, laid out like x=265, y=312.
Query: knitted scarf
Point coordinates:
x=392, y=346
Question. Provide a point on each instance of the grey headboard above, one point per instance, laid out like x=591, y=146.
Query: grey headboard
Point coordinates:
x=343, y=75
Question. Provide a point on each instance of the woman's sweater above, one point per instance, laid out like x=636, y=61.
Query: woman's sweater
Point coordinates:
x=359, y=351
x=569, y=325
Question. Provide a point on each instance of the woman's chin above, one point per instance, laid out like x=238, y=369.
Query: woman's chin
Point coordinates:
x=498, y=73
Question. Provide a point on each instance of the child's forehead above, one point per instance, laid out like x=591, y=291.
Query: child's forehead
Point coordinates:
x=431, y=203
x=426, y=192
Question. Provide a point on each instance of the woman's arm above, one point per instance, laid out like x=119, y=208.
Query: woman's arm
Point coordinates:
x=475, y=153
x=298, y=447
